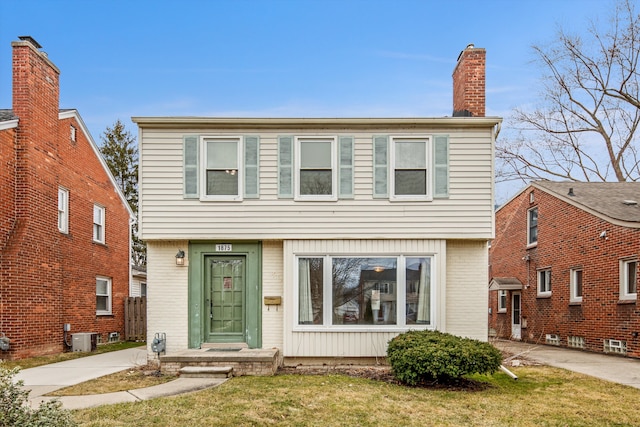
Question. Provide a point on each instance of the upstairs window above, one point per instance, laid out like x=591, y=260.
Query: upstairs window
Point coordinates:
x=544, y=283
x=532, y=226
x=223, y=176
x=63, y=210
x=575, y=285
x=628, y=279
x=221, y=168
x=98, y=223
x=315, y=168
x=411, y=168
x=73, y=133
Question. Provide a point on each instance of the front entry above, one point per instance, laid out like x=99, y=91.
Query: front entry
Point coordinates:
x=225, y=299
x=516, y=316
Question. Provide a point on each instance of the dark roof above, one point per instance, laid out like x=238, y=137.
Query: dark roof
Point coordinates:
x=615, y=200
x=6, y=115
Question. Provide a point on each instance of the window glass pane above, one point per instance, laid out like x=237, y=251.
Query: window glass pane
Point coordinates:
x=315, y=154
x=315, y=182
x=102, y=287
x=578, y=283
x=102, y=303
x=364, y=291
x=222, y=155
x=631, y=277
x=410, y=182
x=222, y=182
x=310, y=295
x=533, y=225
x=411, y=155
x=418, y=291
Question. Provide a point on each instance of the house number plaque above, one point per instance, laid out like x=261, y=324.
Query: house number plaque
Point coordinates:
x=224, y=247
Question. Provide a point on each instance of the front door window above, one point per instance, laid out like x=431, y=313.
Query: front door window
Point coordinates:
x=225, y=298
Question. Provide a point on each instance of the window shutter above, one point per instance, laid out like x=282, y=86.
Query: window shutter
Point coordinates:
x=345, y=167
x=441, y=166
x=251, y=147
x=285, y=167
x=190, y=171
x=380, y=166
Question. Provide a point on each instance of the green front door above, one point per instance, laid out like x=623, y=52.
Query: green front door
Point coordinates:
x=225, y=298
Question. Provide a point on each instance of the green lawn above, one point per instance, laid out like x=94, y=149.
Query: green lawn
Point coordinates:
x=542, y=396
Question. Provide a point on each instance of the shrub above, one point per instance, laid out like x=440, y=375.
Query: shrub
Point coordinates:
x=418, y=356
x=15, y=409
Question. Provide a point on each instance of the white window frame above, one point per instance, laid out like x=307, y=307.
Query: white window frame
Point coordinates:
x=428, y=141
x=544, y=282
x=108, y=295
x=401, y=297
x=575, y=275
x=299, y=140
x=99, y=213
x=625, y=293
x=531, y=243
x=203, y=168
x=502, y=301
x=63, y=210
x=73, y=133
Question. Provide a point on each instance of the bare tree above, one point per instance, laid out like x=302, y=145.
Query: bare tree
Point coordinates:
x=584, y=128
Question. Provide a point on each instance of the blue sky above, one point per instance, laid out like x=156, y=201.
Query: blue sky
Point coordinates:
x=283, y=58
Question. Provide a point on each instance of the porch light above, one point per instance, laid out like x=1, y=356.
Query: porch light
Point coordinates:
x=180, y=257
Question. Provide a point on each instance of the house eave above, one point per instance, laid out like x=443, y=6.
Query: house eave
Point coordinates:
x=314, y=123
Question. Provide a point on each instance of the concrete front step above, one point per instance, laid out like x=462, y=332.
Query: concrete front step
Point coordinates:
x=206, y=372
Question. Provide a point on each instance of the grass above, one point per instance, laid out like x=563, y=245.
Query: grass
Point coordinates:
x=130, y=379
x=542, y=396
x=32, y=362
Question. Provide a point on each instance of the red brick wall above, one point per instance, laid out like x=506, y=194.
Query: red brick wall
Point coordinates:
x=568, y=238
x=7, y=185
x=48, y=278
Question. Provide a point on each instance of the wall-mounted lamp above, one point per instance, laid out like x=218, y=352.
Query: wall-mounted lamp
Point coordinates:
x=180, y=257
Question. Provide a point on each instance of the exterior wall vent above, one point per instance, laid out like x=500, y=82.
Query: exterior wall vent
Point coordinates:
x=553, y=339
x=615, y=346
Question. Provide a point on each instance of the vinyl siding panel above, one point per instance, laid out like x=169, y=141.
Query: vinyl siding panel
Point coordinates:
x=467, y=296
x=166, y=215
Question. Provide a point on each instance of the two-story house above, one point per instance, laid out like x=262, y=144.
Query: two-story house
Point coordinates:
x=64, y=224
x=320, y=237
x=564, y=266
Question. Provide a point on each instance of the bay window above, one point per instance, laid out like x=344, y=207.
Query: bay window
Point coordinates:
x=337, y=291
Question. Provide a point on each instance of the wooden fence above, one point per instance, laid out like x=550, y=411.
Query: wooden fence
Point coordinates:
x=135, y=319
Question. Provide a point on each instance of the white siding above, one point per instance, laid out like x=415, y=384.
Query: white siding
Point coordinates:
x=165, y=214
x=467, y=295
x=355, y=343
x=167, y=299
x=272, y=285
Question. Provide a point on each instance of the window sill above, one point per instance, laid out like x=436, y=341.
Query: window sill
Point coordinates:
x=627, y=301
x=502, y=311
x=543, y=296
x=532, y=245
x=575, y=303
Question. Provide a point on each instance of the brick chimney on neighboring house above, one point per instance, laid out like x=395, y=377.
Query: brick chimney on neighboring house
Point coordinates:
x=469, y=83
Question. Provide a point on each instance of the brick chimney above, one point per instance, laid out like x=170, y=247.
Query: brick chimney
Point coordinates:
x=469, y=83
x=36, y=89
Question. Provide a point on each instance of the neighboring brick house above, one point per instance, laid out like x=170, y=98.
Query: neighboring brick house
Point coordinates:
x=319, y=237
x=564, y=266
x=64, y=224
